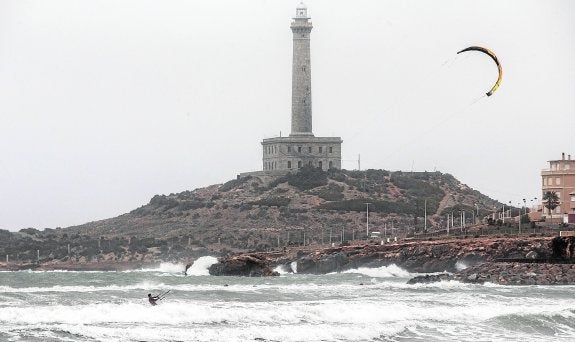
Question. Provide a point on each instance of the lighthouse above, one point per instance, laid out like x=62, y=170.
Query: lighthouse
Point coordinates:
x=301, y=148
x=301, y=26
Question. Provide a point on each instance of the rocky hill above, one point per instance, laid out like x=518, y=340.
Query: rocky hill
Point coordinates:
x=255, y=211
x=261, y=213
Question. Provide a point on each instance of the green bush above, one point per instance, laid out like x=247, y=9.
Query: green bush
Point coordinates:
x=308, y=178
x=192, y=204
x=332, y=192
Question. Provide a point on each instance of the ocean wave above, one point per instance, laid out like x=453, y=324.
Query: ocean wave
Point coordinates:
x=391, y=271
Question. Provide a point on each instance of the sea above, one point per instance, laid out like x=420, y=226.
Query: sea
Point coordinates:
x=356, y=305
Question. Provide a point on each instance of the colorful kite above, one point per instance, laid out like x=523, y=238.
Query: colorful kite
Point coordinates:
x=487, y=51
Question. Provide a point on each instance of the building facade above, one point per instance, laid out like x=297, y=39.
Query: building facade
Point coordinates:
x=301, y=147
x=560, y=178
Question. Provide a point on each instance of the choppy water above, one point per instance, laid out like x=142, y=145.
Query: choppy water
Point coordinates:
x=112, y=306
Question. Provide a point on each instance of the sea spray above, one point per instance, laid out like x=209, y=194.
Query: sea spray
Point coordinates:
x=391, y=271
x=294, y=266
x=460, y=265
x=201, y=266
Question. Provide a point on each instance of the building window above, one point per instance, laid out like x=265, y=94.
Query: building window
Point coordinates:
x=289, y=148
x=572, y=198
x=299, y=164
x=330, y=165
x=309, y=163
x=320, y=149
x=309, y=149
x=320, y=164
x=567, y=166
x=289, y=164
x=330, y=149
x=299, y=149
x=557, y=181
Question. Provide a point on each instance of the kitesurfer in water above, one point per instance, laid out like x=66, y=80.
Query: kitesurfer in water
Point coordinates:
x=153, y=299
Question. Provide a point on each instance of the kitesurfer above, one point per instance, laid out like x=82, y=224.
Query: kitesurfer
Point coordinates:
x=153, y=299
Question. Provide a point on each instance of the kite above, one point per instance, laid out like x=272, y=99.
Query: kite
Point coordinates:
x=492, y=55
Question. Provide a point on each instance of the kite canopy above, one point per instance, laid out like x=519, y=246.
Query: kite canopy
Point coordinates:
x=492, y=55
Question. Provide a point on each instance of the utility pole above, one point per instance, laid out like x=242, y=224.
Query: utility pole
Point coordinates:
x=367, y=219
x=425, y=217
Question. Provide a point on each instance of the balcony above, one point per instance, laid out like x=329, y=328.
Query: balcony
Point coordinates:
x=548, y=172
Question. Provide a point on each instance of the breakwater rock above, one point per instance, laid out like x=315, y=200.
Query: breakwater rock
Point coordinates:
x=507, y=273
x=519, y=273
x=449, y=255
x=252, y=265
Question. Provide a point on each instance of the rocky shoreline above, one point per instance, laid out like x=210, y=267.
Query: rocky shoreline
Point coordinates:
x=536, y=260
x=505, y=261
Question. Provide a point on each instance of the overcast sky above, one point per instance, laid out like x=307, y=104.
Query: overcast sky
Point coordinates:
x=104, y=104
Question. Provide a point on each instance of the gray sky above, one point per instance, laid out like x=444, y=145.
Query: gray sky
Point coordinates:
x=104, y=104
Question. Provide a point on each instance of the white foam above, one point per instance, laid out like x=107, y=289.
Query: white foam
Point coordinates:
x=391, y=271
x=460, y=265
x=200, y=267
x=281, y=269
x=294, y=266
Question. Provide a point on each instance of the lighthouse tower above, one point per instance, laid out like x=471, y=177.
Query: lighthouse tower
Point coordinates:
x=301, y=74
x=301, y=148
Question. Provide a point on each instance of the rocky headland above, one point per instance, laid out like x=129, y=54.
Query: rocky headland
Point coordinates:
x=260, y=222
x=506, y=261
